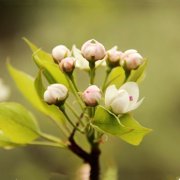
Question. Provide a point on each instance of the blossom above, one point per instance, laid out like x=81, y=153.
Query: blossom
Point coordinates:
x=124, y=99
x=82, y=63
x=60, y=52
x=92, y=50
x=114, y=56
x=4, y=91
x=91, y=96
x=55, y=94
x=132, y=59
x=67, y=64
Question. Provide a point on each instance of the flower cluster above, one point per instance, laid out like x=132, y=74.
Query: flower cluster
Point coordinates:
x=119, y=101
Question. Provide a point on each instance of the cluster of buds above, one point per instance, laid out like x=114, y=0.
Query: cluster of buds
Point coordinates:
x=120, y=100
x=62, y=55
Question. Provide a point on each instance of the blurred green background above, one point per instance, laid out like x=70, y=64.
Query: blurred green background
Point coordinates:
x=150, y=26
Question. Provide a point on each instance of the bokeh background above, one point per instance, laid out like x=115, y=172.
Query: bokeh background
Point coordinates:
x=150, y=26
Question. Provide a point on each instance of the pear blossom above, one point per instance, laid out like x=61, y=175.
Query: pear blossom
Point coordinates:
x=124, y=99
x=55, y=94
x=93, y=51
x=82, y=63
x=132, y=59
x=91, y=96
x=67, y=64
x=60, y=52
x=4, y=91
x=114, y=56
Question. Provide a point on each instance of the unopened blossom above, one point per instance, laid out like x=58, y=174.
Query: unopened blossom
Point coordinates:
x=4, y=91
x=55, y=94
x=114, y=56
x=82, y=63
x=91, y=96
x=60, y=52
x=124, y=99
x=132, y=59
x=67, y=64
x=92, y=50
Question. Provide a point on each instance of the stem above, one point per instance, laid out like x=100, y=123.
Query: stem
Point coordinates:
x=106, y=78
x=75, y=92
x=92, y=72
x=94, y=162
x=69, y=120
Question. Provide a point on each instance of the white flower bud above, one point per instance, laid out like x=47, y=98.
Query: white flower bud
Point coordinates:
x=67, y=64
x=91, y=96
x=92, y=50
x=124, y=99
x=55, y=94
x=132, y=59
x=4, y=91
x=114, y=56
x=60, y=52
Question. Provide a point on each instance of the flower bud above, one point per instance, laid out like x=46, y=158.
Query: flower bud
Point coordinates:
x=132, y=59
x=67, y=64
x=60, y=52
x=114, y=56
x=91, y=96
x=56, y=94
x=92, y=50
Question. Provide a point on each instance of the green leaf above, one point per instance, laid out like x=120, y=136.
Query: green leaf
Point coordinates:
x=138, y=74
x=32, y=91
x=126, y=128
x=45, y=61
x=17, y=124
x=5, y=142
x=134, y=137
x=42, y=54
x=107, y=122
x=116, y=76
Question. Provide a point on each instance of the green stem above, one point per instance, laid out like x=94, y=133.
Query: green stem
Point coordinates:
x=75, y=92
x=69, y=120
x=92, y=72
x=106, y=78
x=75, y=113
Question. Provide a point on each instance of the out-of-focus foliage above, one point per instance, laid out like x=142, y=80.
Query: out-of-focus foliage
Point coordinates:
x=151, y=27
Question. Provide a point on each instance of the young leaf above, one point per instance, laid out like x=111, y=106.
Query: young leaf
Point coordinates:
x=28, y=87
x=42, y=54
x=126, y=127
x=116, y=76
x=134, y=137
x=107, y=122
x=17, y=124
x=46, y=62
x=137, y=75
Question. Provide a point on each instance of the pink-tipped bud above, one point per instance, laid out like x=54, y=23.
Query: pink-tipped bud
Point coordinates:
x=56, y=94
x=60, y=52
x=91, y=96
x=67, y=64
x=114, y=56
x=92, y=50
x=132, y=59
